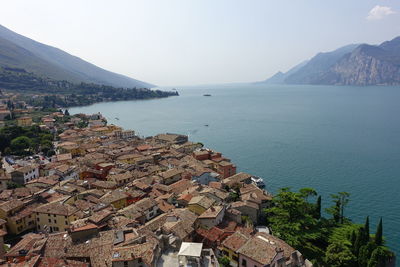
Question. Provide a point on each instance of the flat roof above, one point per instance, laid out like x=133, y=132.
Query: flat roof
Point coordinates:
x=190, y=249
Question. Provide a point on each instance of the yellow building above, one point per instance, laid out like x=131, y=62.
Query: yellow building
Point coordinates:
x=55, y=216
x=101, y=130
x=22, y=221
x=19, y=217
x=231, y=245
x=128, y=158
x=24, y=121
x=200, y=204
x=116, y=198
x=74, y=149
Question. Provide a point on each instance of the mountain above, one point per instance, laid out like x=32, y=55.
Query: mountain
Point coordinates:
x=279, y=77
x=356, y=64
x=317, y=66
x=367, y=65
x=17, y=51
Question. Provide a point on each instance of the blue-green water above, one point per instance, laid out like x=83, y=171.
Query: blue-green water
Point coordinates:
x=329, y=138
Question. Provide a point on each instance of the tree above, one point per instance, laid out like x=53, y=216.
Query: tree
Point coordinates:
x=379, y=234
x=224, y=261
x=353, y=237
x=334, y=210
x=339, y=255
x=379, y=257
x=344, y=200
x=307, y=192
x=20, y=144
x=318, y=208
x=13, y=185
x=365, y=253
x=360, y=241
x=366, y=229
x=340, y=200
x=291, y=218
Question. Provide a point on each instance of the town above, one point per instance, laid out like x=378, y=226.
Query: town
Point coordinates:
x=99, y=195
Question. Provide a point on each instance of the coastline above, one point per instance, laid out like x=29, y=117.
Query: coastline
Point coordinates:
x=294, y=147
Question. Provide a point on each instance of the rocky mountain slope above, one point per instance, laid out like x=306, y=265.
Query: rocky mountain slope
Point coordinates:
x=351, y=65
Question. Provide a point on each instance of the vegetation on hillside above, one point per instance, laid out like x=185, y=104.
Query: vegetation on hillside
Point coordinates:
x=50, y=93
x=333, y=241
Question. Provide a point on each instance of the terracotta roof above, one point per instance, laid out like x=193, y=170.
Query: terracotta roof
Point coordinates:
x=263, y=247
x=202, y=201
x=235, y=241
x=113, y=196
x=237, y=178
x=12, y=204
x=57, y=208
x=84, y=228
x=212, y=234
x=171, y=173
x=55, y=262
x=164, y=206
x=26, y=244
x=212, y=212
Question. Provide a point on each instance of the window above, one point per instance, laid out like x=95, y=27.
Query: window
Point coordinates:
x=125, y=263
x=49, y=220
x=55, y=228
x=38, y=227
x=66, y=223
x=55, y=221
x=244, y=262
x=37, y=219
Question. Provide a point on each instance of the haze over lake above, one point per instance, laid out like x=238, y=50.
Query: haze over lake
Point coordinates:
x=329, y=138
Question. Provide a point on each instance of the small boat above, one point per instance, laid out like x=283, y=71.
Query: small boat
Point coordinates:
x=206, y=95
x=206, y=125
x=117, y=118
x=257, y=181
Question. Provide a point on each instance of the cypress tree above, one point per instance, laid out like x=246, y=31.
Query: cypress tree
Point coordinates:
x=366, y=229
x=359, y=241
x=379, y=233
x=318, y=208
x=353, y=238
x=336, y=214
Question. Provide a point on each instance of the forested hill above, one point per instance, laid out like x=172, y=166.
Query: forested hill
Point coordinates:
x=16, y=79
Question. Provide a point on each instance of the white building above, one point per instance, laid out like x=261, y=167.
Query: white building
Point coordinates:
x=25, y=174
x=125, y=134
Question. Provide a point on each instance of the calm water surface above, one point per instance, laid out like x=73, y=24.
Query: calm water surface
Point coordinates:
x=329, y=138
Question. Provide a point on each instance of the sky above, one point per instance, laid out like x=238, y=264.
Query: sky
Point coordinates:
x=191, y=42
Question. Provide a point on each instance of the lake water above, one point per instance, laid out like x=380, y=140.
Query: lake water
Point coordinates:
x=330, y=138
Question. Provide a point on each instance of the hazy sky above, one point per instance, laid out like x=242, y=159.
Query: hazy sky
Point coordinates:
x=185, y=42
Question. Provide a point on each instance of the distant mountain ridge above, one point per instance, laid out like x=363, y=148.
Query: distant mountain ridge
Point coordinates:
x=17, y=51
x=279, y=77
x=356, y=64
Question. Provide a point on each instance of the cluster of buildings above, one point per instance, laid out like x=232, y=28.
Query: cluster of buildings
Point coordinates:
x=12, y=107
x=110, y=198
